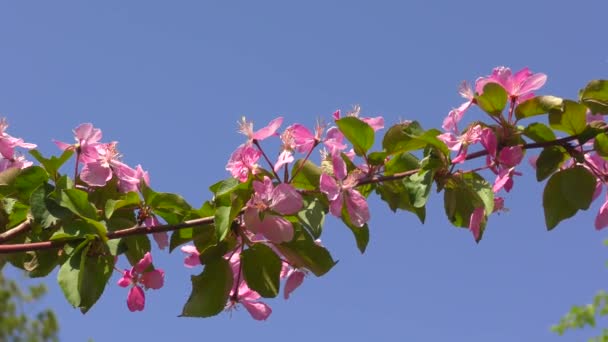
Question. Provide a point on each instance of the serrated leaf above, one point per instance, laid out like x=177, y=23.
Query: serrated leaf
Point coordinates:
x=210, y=290
x=358, y=132
x=567, y=192
x=262, y=270
x=537, y=106
x=493, y=99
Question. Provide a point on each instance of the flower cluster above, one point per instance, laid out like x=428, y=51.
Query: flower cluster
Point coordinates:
x=8, y=143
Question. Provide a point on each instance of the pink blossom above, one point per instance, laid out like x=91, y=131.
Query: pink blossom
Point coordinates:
x=87, y=142
x=475, y=222
x=249, y=299
x=450, y=123
x=246, y=128
x=8, y=143
x=601, y=220
x=519, y=86
x=334, y=140
x=285, y=158
x=138, y=277
x=18, y=162
x=295, y=278
x=340, y=191
x=461, y=143
x=267, y=200
x=299, y=138
x=107, y=164
x=161, y=238
x=243, y=162
x=192, y=257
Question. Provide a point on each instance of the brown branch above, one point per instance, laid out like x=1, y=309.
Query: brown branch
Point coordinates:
x=13, y=232
x=139, y=230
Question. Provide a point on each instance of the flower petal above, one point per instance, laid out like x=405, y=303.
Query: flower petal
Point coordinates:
x=136, y=299
x=258, y=310
x=153, y=279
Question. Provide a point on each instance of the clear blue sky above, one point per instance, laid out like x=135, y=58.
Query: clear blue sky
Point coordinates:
x=169, y=80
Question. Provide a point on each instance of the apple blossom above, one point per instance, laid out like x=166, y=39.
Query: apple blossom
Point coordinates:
x=137, y=277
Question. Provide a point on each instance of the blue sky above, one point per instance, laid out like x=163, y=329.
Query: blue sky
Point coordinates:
x=170, y=80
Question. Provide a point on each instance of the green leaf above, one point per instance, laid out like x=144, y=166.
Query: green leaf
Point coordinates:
x=171, y=207
x=179, y=237
x=39, y=203
x=134, y=247
x=538, y=105
x=361, y=233
x=418, y=187
x=210, y=290
x=225, y=186
x=395, y=195
x=302, y=251
x=53, y=164
x=549, y=160
x=567, y=192
x=27, y=181
x=401, y=162
x=359, y=133
x=493, y=100
x=129, y=199
x=41, y=263
x=539, y=132
x=77, y=201
x=307, y=177
x=69, y=274
x=410, y=136
x=463, y=194
x=600, y=145
x=595, y=96
x=572, y=119
x=96, y=267
x=262, y=270
x=376, y=158
x=312, y=215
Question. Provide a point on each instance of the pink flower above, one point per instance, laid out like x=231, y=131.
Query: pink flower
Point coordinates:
x=8, y=142
x=340, y=191
x=137, y=276
x=87, y=142
x=18, y=161
x=246, y=127
x=267, y=200
x=161, y=238
x=462, y=142
x=192, y=257
x=243, y=162
x=450, y=123
x=249, y=299
x=294, y=277
x=334, y=140
x=107, y=164
x=475, y=222
x=519, y=86
x=299, y=138
x=601, y=220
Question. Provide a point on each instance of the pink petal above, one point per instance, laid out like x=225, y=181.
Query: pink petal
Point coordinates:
x=269, y=130
x=153, y=279
x=293, y=282
x=136, y=299
x=126, y=279
x=143, y=264
x=532, y=83
x=277, y=229
x=336, y=115
x=162, y=239
x=96, y=174
x=285, y=158
x=501, y=180
x=510, y=156
x=192, y=259
x=475, y=222
x=339, y=166
x=489, y=142
x=334, y=140
x=335, y=206
x=304, y=139
x=601, y=220
x=376, y=123
x=329, y=186
x=285, y=199
x=258, y=310
x=62, y=146
x=357, y=208
x=252, y=220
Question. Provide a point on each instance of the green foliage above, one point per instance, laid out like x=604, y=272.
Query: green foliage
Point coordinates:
x=538, y=105
x=410, y=136
x=463, y=194
x=549, y=160
x=539, y=132
x=571, y=119
x=567, y=192
x=304, y=252
x=210, y=290
x=15, y=324
x=595, y=96
x=493, y=99
x=359, y=133
x=262, y=270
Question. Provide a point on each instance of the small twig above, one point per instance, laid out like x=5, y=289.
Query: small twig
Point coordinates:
x=20, y=228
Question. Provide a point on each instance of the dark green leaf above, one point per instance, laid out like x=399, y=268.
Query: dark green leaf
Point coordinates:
x=53, y=164
x=359, y=133
x=377, y=158
x=566, y=192
x=395, y=195
x=179, y=237
x=302, y=251
x=312, y=215
x=539, y=132
x=134, y=247
x=549, y=160
x=225, y=186
x=96, y=267
x=69, y=274
x=410, y=136
x=129, y=199
x=595, y=96
x=463, y=194
x=262, y=270
x=27, y=181
x=401, y=162
x=493, y=100
x=41, y=263
x=171, y=207
x=538, y=105
x=210, y=290
x=39, y=203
